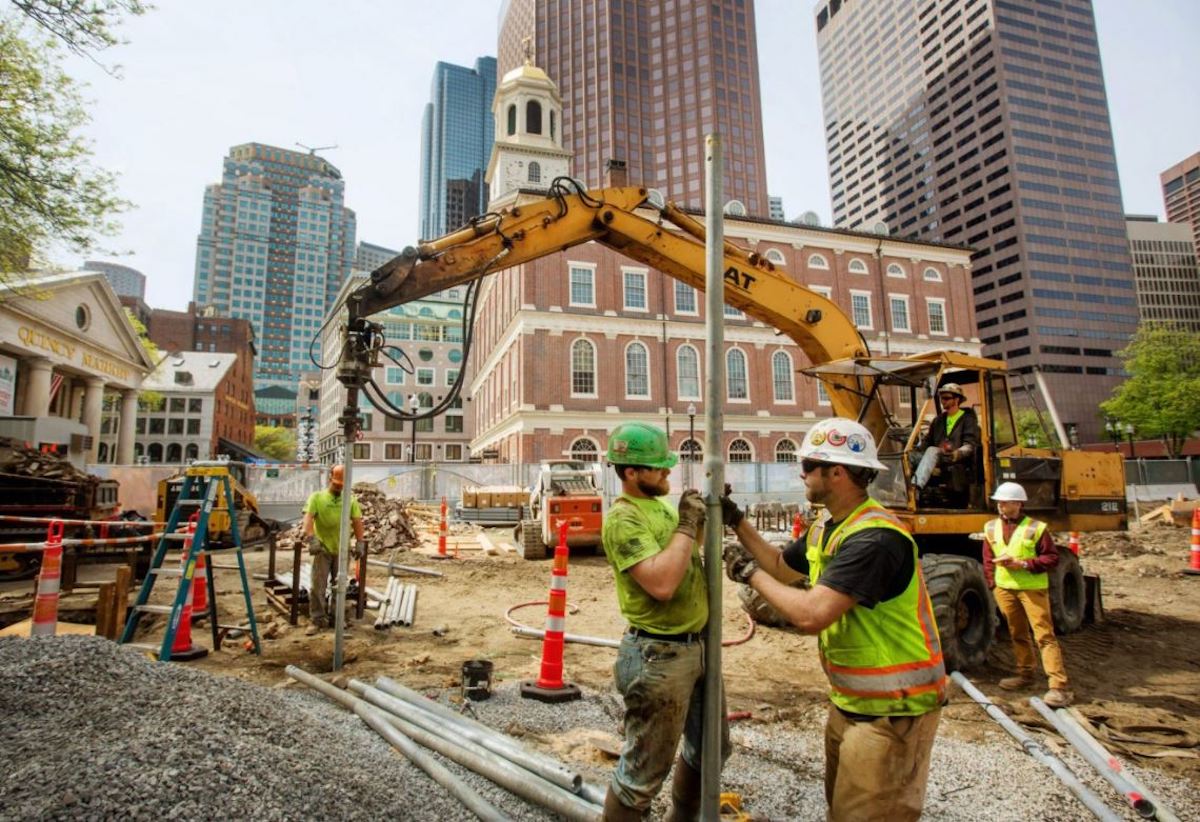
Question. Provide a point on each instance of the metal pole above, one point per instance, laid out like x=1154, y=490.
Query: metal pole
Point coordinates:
x=349, y=429
x=1040, y=379
x=714, y=467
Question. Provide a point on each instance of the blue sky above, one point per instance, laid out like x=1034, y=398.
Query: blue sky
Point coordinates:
x=198, y=78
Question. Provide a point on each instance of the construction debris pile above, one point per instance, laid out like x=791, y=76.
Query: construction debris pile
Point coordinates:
x=389, y=524
x=29, y=462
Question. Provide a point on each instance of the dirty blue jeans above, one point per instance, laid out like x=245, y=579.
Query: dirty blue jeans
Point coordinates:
x=663, y=687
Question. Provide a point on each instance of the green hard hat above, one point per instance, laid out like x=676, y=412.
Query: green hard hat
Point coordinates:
x=635, y=443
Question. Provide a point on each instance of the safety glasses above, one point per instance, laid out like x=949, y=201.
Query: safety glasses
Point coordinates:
x=809, y=466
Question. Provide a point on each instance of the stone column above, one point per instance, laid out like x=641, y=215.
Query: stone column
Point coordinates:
x=75, y=411
x=93, y=407
x=37, y=387
x=126, y=433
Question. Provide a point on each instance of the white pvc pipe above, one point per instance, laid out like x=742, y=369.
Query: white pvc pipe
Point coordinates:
x=540, y=633
x=411, y=610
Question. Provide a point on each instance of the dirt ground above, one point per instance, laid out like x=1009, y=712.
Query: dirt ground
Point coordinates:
x=1136, y=674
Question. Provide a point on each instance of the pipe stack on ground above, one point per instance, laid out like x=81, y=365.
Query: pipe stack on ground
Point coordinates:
x=285, y=578
x=398, y=605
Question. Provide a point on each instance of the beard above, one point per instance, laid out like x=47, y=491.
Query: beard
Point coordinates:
x=659, y=489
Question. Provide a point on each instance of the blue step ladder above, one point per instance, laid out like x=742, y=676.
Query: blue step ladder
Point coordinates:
x=203, y=483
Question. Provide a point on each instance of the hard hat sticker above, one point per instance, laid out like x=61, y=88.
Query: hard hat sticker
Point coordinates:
x=856, y=443
x=836, y=438
x=620, y=446
x=816, y=437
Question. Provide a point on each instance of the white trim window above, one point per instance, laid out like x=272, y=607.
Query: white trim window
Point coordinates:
x=936, y=307
x=734, y=313
x=454, y=452
x=426, y=376
x=741, y=451
x=685, y=299
x=782, y=380
x=822, y=394
x=582, y=285
x=637, y=372
x=857, y=266
x=786, y=451
x=585, y=449
x=896, y=270
x=932, y=275
x=824, y=290
x=634, y=280
x=898, y=303
x=775, y=256
x=451, y=376
x=737, y=376
x=687, y=369
x=583, y=368
x=860, y=309
x=818, y=261
x=394, y=375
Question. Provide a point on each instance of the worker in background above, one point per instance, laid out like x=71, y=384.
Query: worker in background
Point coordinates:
x=873, y=619
x=662, y=592
x=951, y=442
x=1019, y=553
x=322, y=521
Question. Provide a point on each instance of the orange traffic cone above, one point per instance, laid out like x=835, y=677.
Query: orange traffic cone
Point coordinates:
x=798, y=527
x=200, y=581
x=1194, y=568
x=550, y=686
x=45, y=605
x=1073, y=542
x=182, y=648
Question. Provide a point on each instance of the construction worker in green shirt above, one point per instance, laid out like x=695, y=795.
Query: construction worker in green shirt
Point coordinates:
x=322, y=528
x=950, y=445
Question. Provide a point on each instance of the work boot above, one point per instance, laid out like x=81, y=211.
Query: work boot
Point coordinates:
x=1016, y=683
x=314, y=628
x=685, y=793
x=1058, y=698
x=616, y=811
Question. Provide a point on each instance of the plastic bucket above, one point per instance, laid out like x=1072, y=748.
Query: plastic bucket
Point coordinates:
x=477, y=679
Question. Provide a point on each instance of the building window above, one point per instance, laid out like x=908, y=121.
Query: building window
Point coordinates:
x=392, y=425
x=687, y=364
x=195, y=406
x=937, y=316
x=740, y=451
x=158, y=426
x=857, y=266
x=583, y=287
x=425, y=376
x=932, y=275
x=822, y=394
x=635, y=290
x=174, y=452
x=585, y=450
x=775, y=256
x=175, y=427
x=155, y=453
x=860, y=305
x=394, y=376
x=362, y=450
x=177, y=404
x=583, y=369
x=425, y=401
x=691, y=451
x=192, y=452
x=899, y=306
x=533, y=117
x=637, y=371
x=193, y=426
x=451, y=376
x=781, y=377
x=817, y=261
x=685, y=299
x=454, y=423
x=895, y=270
x=785, y=451
x=393, y=451
x=535, y=172
x=512, y=119
x=733, y=313
x=454, y=452
x=736, y=378
x=425, y=451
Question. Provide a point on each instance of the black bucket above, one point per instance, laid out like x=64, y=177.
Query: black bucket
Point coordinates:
x=477, y=679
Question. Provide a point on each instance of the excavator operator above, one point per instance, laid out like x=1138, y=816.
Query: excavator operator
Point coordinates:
x=950, y=445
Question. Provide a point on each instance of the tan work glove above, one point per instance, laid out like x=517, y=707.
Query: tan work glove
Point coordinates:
x=740, y=565
x=692, y=512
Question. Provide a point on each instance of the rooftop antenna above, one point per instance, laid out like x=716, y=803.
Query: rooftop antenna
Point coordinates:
x=315, y=149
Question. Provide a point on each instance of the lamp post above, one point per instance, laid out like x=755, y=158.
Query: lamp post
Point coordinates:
x=691, y=452
x=415, y=405
x=1129, y=429
x=1113, y=427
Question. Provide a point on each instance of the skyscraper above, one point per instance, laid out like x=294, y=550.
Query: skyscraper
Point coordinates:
x=1168, y=278
x=276, y=241
x=986, y=123
x=1181, y=193
x=643, y=81
x=126, y=281
x=456, y=139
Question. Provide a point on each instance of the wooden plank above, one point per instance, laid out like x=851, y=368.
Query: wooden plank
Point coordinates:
x=486, y=544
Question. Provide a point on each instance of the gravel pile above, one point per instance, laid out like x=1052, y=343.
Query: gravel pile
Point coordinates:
x=91, y=730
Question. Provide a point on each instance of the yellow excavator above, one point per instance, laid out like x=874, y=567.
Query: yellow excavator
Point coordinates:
x=1072, y=490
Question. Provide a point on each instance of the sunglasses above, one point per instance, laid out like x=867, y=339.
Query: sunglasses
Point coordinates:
x=810, y=466
x=948, y=397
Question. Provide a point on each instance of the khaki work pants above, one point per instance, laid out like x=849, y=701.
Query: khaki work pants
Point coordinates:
x=324, y=574
x=1026, y=610
x=876, y=771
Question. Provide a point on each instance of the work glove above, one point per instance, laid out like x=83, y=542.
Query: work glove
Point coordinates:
x=360, y=549
x=691, y=513
x=731, y=515
x=740, y=565
x=315, y=548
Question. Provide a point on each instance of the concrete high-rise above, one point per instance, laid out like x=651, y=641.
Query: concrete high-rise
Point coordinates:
x=1165, y=267
x=1181, y=193
x=456, y=140
x=986, y=123
x=126, y=281
x=276, y=242
x=643, y=81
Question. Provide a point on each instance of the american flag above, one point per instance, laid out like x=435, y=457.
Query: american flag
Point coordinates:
x=55, y=383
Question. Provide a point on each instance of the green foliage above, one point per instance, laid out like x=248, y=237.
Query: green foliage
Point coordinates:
x=276, y=442
x=1161, y=398
x=85, y=26
x=1029, y=426
x=147, y=400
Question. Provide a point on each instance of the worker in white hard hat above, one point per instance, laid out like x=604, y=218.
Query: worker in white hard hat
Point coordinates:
x=874, y=622
x=1017, y=557
x=950, y=445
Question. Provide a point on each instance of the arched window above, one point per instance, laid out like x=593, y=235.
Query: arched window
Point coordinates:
x=583, y=369
x=933, y=275
x=857, y=266
x=155, y=452
x=174, y=453
x=817, y=261
x=895, y=270
x=138, y=450
x=775, y=256
x=585, y=450
x=785, y=451
x=637, y=371
x=740, y=451
x=533, y=117
x=192, y=452
x=102, y=452
x=737, y=383
x=781, y=377
x=512, y=119
x=535, y=172
x=687, y=366
x=691, y=451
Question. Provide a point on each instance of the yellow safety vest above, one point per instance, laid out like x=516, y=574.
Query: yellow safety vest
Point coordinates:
x=886, y=660
x=1021, y=545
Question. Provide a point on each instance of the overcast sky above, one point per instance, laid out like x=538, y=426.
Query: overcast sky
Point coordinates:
x=198, y=78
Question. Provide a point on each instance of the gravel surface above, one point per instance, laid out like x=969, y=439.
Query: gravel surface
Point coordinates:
x=94, y=731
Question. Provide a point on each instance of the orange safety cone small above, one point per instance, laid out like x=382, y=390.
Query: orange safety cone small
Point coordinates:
x=45, y=605
x=549, y=686
x=182, y=649
x=1073, y=542
x=797, y=527
x=200, y=582
x=1193, y=568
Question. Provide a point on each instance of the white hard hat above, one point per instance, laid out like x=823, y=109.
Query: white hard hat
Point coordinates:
x=842, y=442
x=1010, y=492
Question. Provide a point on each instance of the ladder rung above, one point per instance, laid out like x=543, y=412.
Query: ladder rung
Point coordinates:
x=211, y=551
x=177, y=537
x=154, y=609
x=167, y=572
x=196, y=501
x=243, y=628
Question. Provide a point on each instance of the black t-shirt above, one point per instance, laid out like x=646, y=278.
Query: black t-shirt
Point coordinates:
x=872, y=566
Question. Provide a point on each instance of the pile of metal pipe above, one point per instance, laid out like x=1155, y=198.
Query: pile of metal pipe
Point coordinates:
x=285, y=578
x=398, y=605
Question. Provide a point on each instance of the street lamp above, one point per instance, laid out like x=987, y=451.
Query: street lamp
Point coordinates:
x=1113, y=427
x=415, y=405
x=1129, y=433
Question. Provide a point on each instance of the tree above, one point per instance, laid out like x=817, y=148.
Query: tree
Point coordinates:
x=1161, y=398
x=1029, y=427
x=276, y=442
x=147, y=400
x=85, y=26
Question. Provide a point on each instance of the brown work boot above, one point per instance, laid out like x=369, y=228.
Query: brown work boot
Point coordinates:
x=616, y=811
x=685, y=793
x=1058, y=697
x=1016, y=683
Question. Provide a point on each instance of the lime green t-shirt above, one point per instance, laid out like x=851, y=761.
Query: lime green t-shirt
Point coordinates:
x=327, y=514
x=637, y=529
